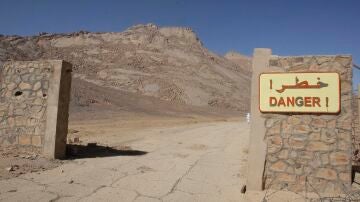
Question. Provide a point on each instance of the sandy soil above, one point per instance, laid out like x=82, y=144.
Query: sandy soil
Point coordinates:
x=15, y=161
x=117, y=129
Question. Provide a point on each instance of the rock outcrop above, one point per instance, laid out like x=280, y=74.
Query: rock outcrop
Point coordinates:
x=241, y=60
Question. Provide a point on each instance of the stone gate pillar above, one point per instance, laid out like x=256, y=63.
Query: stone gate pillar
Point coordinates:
x=302, y=151
x=34, y=105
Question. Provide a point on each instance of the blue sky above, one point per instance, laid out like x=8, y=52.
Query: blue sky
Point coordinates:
x=287, y=27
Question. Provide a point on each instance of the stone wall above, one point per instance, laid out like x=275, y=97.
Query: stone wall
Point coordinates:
x=26, y=88
x=309, y=151
x=356, y=128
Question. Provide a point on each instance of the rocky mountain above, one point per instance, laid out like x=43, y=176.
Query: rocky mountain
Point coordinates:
x=168, y=63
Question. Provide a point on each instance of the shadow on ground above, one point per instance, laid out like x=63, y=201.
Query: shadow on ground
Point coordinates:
x=74, y=151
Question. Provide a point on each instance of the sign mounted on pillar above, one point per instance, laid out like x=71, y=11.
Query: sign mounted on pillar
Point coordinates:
x=303, y=92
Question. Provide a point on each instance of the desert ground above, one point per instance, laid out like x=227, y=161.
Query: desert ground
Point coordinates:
x=142, y=157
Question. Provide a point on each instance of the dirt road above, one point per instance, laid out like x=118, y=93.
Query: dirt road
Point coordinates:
x=203, y=161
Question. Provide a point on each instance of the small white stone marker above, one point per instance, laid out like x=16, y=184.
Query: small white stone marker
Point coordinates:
x=248, y=117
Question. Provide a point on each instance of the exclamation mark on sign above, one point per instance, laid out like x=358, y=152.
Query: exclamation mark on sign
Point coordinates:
x=327, y=102
x=270, y=83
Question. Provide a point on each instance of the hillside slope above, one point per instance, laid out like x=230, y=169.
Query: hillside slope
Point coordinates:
x=167, y=63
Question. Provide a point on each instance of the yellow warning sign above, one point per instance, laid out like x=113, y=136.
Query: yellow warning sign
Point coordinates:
x=299, y=92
